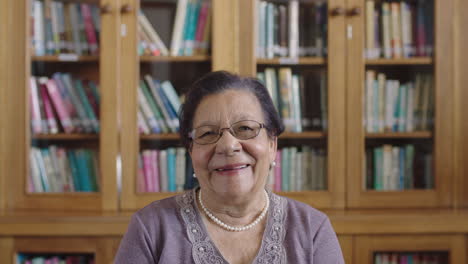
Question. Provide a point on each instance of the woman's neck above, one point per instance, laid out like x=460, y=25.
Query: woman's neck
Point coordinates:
x=234, y=210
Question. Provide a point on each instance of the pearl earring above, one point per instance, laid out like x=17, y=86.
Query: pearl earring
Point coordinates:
x=194, y=175
x=273, y=164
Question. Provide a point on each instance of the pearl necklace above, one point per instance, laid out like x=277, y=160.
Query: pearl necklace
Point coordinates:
x=235, y=228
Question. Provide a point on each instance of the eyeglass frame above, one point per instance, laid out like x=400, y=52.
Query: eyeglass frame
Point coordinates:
x=221, y=131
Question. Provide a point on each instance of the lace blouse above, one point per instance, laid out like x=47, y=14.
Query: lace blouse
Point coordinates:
x=172, y=231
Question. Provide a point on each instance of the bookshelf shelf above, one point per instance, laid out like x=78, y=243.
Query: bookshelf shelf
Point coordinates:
x=171, y=136
x=303, y=135
x=293, y=61
x=403, y=61
x=416, y=135
x=65, y=137
x=66, y=194
x=198, y=58
x=65, y=58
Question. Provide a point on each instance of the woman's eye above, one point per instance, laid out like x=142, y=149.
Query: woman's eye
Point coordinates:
x=245, y=128
x=207, y=134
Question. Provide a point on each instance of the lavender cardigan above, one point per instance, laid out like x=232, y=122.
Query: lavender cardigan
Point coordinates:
x=172, y=231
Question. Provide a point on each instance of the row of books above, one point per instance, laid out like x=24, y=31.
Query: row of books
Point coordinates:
x=399, y=29
x=64, y=27
x=410, y=258
x=293, y=29
x=54, y=259
x=301, y=99
x=190, y=33
x=63, y=104
x=165, y=170
x=392, y=106
x=299, y=169
x=56, y=169
x=392, y=168
x=159, y=105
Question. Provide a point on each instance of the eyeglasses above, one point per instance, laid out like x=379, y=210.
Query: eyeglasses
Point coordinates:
x=209, y=134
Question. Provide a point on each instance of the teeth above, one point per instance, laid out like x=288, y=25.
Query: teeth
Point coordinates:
x=236, y=168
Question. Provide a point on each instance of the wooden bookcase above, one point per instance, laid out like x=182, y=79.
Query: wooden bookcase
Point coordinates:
x=357, y=214
x=103, y=249
x=454, y=245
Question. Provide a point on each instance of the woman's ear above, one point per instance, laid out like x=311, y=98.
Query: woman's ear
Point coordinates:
x=273, y=147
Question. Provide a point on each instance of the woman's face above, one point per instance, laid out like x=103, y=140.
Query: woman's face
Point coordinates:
x=231, y=166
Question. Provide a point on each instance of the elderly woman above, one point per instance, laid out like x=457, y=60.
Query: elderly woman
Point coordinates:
x=230, y=128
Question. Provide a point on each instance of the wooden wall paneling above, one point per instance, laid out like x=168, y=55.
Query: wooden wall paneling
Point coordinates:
x=336, y=70
x=6, y=250
x=444, y=100
x=461, y=111
x=109, y=68
x=354, y=104
x=346, y=243
x=247, y=37
x=225, y=35
x=4, y=51
x=129, y=137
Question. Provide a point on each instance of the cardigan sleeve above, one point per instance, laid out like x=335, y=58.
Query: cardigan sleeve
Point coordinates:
x=136, y=245
x=327, y=249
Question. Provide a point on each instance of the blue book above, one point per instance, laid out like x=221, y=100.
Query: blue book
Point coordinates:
x=83, y=171
x=74, y=170
x=186, y=32
x=402, y=168
x=171, y=164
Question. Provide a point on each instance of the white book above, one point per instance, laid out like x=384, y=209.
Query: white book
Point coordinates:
x=370, y=29
x=39, y=32
x=146, y=110
x=171, y=95
x=261, y=32
x=178, y=29
x=396, y=29
x=35, y=173
x=387, y=167
x=293, y=28
x=270, y=31
x=163, y=175
x=387, y=46
x=152, y=34
x=142, y=124
x=370, y=78
x=296, y=106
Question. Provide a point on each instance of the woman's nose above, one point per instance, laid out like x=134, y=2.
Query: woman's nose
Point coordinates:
x=227, y=143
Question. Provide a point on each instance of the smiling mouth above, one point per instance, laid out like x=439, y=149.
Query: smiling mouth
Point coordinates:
x=233, y=168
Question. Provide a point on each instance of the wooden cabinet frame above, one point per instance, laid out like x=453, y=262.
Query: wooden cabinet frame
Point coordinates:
x=440, y=197
x=365, y=246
